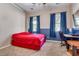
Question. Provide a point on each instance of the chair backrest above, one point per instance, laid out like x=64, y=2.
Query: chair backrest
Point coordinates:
x=61, y=35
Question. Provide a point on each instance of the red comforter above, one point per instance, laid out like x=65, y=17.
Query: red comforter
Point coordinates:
x=28, y=40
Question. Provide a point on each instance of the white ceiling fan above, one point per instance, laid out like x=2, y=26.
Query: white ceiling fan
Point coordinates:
x=36, y=7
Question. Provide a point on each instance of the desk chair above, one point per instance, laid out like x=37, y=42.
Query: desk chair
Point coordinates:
x=63, y=41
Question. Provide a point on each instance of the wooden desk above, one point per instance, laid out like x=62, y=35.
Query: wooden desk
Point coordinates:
x=71, y=36
x=73, y=47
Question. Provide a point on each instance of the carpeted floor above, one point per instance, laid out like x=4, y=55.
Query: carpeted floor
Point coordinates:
x=50, y=48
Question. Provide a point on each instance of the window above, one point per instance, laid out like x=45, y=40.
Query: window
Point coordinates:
x=76, y=21
x=34, y=24
x=57, y=22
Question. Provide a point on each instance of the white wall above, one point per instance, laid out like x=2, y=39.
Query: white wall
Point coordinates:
x=75, y=7
x=12, y=20
x=75, y=10
x=45, y=16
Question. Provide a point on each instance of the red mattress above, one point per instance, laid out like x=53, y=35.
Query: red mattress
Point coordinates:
x=28, y=40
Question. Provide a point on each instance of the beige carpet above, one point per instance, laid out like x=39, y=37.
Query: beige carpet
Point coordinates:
x=50, y=48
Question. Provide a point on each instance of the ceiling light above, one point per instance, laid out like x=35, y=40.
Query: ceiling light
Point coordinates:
x=44, y=3
x=32, y=8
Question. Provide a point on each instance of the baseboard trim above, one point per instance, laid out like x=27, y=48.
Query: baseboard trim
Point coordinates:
x=5, y=46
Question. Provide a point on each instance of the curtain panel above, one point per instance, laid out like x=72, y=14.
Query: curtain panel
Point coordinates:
x=30, y=24
x=52, y=26
x=63, y=22
x=38, y=24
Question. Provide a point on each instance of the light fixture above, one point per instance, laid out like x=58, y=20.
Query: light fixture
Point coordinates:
x=33, y=3
x=37, y=4
x=31, y=8
x=44, y=3
x=57, y=3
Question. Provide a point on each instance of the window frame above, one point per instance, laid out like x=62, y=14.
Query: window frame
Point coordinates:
x=76, y=25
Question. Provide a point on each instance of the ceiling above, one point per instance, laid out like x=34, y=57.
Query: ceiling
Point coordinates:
x=34, y=7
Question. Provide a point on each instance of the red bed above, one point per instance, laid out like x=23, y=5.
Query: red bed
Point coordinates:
x=28, y=40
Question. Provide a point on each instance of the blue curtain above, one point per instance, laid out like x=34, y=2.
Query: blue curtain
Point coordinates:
x=38, y=24
x=31, y=24
x=63, y=22
x=52, y=26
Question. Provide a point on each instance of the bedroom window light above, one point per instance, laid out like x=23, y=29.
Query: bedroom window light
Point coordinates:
x=57, y=22
x=34, y=24
x=76, y=20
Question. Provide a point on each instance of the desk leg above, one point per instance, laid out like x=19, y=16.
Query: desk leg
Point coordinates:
x=74, y=51
x=67, y=46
